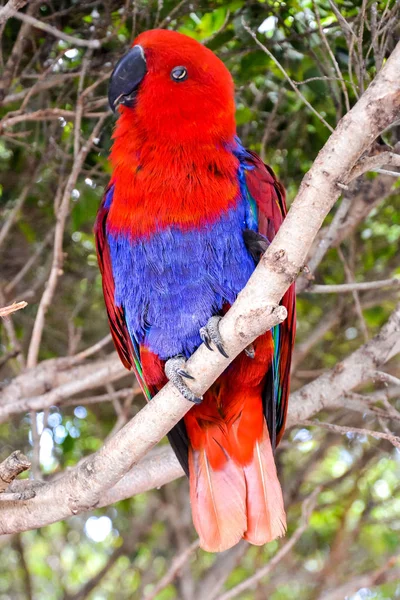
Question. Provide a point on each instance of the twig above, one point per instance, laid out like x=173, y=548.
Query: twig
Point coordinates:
x=11, y=467
x=386, y=377
x=173, y=12
x=79, y=105
x=362, y=286
x=8, y=310
x=121, y=394
x=287, y=77
x=306, y=511
x=393, y=439
x=77, y=358
x=374, y=162
x=53, y=31
x=355, y=294
x=386, y=172
x=46, y=84
x=332, y=56
x=172, y=572
x=45, y=114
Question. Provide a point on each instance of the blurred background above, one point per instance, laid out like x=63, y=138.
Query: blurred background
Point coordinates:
x=56, y=128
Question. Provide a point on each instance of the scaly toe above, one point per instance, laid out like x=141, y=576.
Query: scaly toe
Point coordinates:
x=249, y=351
x=210, y=334
x=174, y=370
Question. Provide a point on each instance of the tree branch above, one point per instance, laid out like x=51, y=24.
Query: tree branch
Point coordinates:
x=5, y=311
x=53, y=31
x=11, y=467
x=361, y=286
x=10, y=8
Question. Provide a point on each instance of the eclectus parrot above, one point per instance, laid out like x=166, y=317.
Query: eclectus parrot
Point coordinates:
x=186, y=217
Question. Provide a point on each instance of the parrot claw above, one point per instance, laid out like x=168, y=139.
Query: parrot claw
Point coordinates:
x=210, y=334
x=249, y=351
x=175, y=372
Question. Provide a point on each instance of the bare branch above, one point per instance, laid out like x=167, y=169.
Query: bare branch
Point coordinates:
x=8, y=310
x=53, y=31
x=374, y=162
x=362, y=286
x=9, y=9
x=45, y=114
x=393, y=439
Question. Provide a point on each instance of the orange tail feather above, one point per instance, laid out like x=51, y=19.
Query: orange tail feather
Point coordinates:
x=218, y=498
x=266, y=519
x=236, y=501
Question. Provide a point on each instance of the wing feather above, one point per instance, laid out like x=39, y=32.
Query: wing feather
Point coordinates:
x=126, y=346
x=270, y=198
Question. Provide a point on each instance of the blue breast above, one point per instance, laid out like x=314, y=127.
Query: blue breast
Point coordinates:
x=171, y=283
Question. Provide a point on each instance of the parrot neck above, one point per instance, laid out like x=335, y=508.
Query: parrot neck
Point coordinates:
x=160, y=183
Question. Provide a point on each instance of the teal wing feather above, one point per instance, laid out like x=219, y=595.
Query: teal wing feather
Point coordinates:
x=269, y=196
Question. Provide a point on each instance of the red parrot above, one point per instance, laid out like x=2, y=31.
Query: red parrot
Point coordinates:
x=186, y=217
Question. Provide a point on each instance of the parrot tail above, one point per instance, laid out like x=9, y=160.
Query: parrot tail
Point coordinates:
x=236, y=501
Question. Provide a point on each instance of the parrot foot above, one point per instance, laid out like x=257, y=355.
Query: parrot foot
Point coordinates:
x=210, y=333
x=174, y=370
x=249, y=351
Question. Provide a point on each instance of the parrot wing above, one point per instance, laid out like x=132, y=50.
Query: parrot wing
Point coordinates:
x=268, y=194
x=126, y=346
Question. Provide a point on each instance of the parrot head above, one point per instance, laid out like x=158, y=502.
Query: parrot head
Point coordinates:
x=170, y=86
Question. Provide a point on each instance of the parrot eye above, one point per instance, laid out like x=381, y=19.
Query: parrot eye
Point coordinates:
x=179, y=73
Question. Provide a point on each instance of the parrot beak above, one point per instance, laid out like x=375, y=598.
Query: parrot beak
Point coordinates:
x=126, y=77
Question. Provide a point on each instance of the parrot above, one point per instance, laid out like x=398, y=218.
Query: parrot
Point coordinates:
x=186, y=217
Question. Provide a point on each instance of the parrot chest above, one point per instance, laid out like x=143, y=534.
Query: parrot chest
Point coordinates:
x=171, y=283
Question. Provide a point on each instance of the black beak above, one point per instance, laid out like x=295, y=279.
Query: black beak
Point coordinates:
x=126, y=78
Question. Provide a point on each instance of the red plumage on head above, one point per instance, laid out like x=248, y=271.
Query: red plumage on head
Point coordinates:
x=175, y=140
